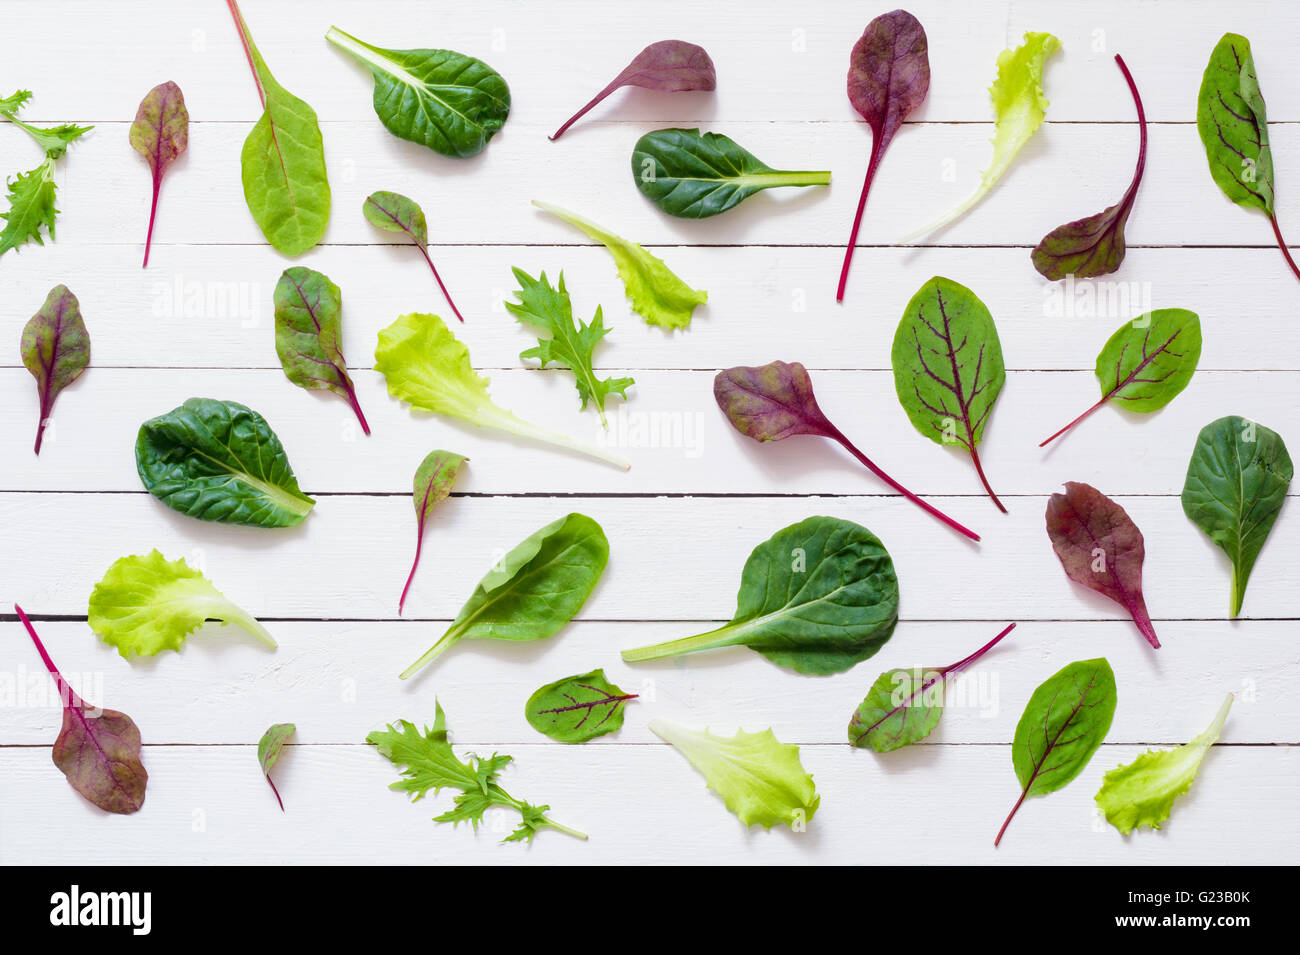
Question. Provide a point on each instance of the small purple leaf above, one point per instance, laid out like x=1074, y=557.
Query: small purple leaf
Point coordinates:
x=433, y=482
x=56, y=350
x=160, y=133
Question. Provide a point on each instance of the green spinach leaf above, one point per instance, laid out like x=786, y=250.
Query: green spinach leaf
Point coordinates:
x=577, y=708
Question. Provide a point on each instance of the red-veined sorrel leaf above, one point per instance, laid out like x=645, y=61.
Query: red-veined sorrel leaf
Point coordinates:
x=433, y=481
x=55, y=349
x=672, y=66
x=394, y=212
x=1101, y=548
x=100, y=754
x=1095, y=245
x=268, y=752
x=889, y=75
x=776, y=401
x=160, y=133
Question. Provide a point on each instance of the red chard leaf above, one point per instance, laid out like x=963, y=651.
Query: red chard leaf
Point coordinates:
x=394, y=212
x=160, y=133
x=100, y=754
x=268, y=752
x=1101, y=548
x=433, y=482
x=889, y=76
x=1095, y=246
x=671, y=66
x=55, y=349
x=776, y=401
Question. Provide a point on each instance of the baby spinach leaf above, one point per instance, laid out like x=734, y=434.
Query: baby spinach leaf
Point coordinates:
x=1100, y=547
x=889, y=76
x=694, y=175
x=1233, y=123
x=160, y=133
x=146, y=604
x=1063, y=724
x=1236, y=485
x=656, y=294
x=819, y=597
x=570, y=344
x=268, y=752
x=56, y=350
x=393, y=212
x=1019, y=108
x=433, y=482
x=425, y=365
x=759, y=778
x=1086, y=248
x=776, y=401
x=31, y=194
x=445, y=100
x=428, y=763
x=904, y=706
x=309, y=335
x=1147, y=362
x=219, y=461
x=283, y=161
x=99, y=754
x=672, y=66
x=948, y=367
x=577, y=708
x=1143, y=792
x=533, y=591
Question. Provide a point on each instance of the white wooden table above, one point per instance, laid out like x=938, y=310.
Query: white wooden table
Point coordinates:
x=682, y=521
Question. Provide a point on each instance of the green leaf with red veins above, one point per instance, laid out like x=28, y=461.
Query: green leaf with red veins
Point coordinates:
x=433, y=482
x=160, y=133
x=268, y=752
x=577, y=708
x=55, y=349
x=394, y=212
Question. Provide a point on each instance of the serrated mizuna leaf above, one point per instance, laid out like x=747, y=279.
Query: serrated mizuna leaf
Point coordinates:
x=160, y=133
x=56, y=350
x=31, y=194
x=268, y=752
x=577, y=708
x=433, y=482
x=394, y=212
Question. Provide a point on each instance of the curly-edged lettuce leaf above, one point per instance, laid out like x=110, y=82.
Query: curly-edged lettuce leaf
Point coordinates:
x=147, y=603
x=758, y=777
x=1019, y=108
x=1143, y=792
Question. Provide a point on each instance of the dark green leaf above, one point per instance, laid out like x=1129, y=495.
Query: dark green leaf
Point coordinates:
x=577, y=708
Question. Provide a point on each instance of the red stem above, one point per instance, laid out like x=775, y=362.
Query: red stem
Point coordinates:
x=65, y=691
x=1047, y=441
x=583, y=112
x=1281, y=244
x=419, y=543
x=438, y=279
x=1011, y=815
x=242, y=27
x=876, y=153
x=1142, y=132
x=979, y=469
x=351, y=392
x=45, y=417
x=276, y=791
x=153, y=209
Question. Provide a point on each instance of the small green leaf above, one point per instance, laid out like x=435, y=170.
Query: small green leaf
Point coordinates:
x=394, y=212
x=31, y=206
x=577, y=708
x=433, y=482
x=268, y=752
x=1233, y=124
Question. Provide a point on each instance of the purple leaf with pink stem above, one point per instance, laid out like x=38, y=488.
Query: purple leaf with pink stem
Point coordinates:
x=776, y=401
x=160, y=133
x=889, y=76
x=433, y=482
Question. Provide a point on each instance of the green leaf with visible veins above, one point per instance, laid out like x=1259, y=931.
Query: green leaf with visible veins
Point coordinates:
x=571, y=343
x=577, y=708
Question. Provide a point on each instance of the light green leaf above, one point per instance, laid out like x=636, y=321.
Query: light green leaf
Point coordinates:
x=31, y=206
x=577, y=708
x=268, y=752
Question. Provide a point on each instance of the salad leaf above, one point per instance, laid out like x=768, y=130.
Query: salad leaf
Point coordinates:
x=1147, y=363
x=393, y=212
x=31, y=194
x=219, y=461
x=1233, y=123
x=1143, y=792
x=99, y=754
x=428, y=762
x=889, y=76
x=819, y=597
x=904, y=706
x=282, y=164
x=695, y=175
x=445, y=100
x=268, y=752
x=1019, y=108
x=533, y=591
x=570, y=344
x=948, y=367
x=56, y=350
x=1236, y=485
x=53, y=140
x=427, y=367
x=433, y=482
x=577, y=708
x=1087, y=248
x=759, y=778
x=656, y=294
x=1063, y=724
x=668, y=65
x=160, y=133
x=308, y=335
x=146, y=604
x=1100, y=547
x=776, y=401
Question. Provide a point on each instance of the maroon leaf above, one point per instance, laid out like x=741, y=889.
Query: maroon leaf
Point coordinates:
x=1101, y=548
x=671, y=66
x=1095, y=246
x=889, y=75
x=99, y=754
x=160, y=133
x=56, y=350
x=776, y=401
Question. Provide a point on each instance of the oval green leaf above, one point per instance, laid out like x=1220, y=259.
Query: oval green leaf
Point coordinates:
x=577, y=708
x=1233, y=123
